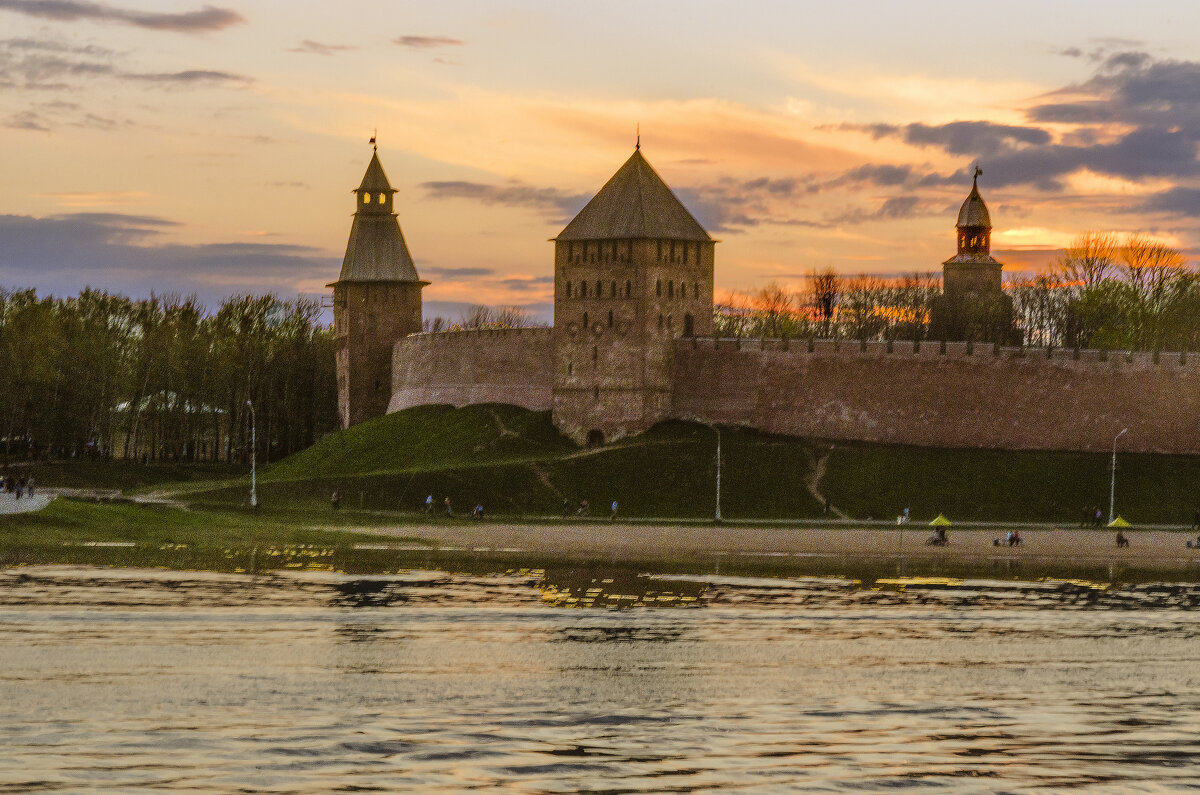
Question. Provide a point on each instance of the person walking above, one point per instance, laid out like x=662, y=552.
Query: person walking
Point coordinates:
x=429, y=504
x=446, y=506
x=566, y=507
x=29, y=487
x=335, y=499
x=612, y=514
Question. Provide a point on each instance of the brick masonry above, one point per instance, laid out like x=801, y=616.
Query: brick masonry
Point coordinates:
x=464, y=367
x=962, y=397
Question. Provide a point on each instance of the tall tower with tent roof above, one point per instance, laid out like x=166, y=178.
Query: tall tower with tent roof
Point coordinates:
x=633, y=272
x=376, y=300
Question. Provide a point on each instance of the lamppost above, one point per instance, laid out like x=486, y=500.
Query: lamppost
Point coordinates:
x=1112, y=487
x=717, y=515
x=253, y=449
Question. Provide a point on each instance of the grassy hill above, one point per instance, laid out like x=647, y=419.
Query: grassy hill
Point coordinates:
x=514, y=462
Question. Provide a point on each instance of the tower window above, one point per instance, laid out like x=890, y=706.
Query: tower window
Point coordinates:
x=696, y=290
x=658, y=287
x=366, y=198
x=660, y=322
x=583, y=289
x=689, y=326
x=599, y=289
x=697, y=253
x=382, y=198
x=568, y=289
x=595, y=393
x=570, y=251
x=670, y=289
x=614, y=251
x=660, y=251
x=628, y=289
x=610, y=318
x=570, y=368
x=612, y=293
x=595, y=353
x=585, y=319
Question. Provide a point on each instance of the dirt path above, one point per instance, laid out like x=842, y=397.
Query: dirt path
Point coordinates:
x=813, y=482
x=10, y=504
x=616, y=541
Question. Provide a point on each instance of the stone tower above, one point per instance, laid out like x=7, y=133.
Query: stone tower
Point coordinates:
x=376, y=300
x=973, y=305
x=633, y=271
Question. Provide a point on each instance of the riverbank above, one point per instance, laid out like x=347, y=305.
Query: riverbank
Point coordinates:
x=1041, y=546
x=364, y=542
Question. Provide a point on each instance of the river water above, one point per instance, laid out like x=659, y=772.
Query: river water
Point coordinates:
x=428, y=682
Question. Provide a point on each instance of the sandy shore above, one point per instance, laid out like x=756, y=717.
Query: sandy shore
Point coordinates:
x=617, y=541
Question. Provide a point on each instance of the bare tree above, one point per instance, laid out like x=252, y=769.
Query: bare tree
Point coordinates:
x=775, y=307
x=825, y=288
x=1089, y=260
x=1150, y=266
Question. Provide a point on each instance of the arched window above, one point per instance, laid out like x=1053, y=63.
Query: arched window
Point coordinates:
x=670, y=323
x=660, y=322
x=695, y=289
x=612, y=290
x=382, y=198
x=610, y=318
x=595, y=353
x=366, y=198
x=658, y=287
x=614, y=251
x=660, y=251
x=570, y=368
x=568, y=289
x=585, y=323
x=689, y=326
x=583, y=289
x=628, y=288
x=599, y=289
x=596, y=394
x=670, y=289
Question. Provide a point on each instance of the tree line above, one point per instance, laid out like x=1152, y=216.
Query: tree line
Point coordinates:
x=105, y=376
x=1101, y=292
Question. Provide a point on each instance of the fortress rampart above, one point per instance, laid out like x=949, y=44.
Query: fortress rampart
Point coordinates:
x=464, y=367
x=943, y=395
x=933, y=395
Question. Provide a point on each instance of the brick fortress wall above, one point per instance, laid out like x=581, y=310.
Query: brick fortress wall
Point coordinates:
x=962, y=397
x=464, y=367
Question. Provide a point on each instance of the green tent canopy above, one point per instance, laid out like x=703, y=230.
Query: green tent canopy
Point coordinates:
x=1119, y=522
x=940, y=521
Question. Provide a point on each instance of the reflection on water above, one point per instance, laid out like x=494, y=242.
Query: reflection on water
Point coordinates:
x=428, y=681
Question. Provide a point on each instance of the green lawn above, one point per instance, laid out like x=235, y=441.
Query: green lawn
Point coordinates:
x=1037, y=486
x=515, y=463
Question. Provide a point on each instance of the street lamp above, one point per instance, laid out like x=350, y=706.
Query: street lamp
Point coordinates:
x=1112, y=488
x=253, y=448
x=717, y=515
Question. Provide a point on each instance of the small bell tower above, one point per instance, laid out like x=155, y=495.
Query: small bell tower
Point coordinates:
x=376, y=300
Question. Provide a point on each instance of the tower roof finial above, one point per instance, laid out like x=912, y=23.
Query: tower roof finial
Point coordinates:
x=374, y=135
x=638, y=145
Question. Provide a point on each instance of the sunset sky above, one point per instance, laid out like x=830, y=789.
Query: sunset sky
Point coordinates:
x=178, y=146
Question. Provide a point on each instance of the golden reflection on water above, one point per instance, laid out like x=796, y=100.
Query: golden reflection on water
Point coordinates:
x=431, y=681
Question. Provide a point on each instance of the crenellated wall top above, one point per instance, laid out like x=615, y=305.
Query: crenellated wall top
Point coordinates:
x=942, y=351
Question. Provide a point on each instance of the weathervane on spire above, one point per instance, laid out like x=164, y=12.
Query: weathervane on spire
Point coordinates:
x=638, y=144
x=374, y=135
x=978, y=171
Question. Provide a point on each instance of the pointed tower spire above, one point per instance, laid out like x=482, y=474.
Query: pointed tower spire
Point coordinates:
x=376, y=250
